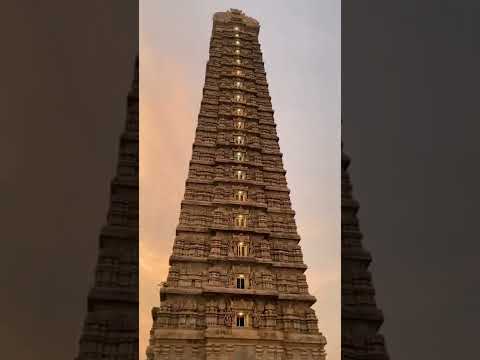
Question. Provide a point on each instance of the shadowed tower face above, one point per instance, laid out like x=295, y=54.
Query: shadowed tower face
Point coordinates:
x=110, y=329
x=236, y=287
x=361, y=318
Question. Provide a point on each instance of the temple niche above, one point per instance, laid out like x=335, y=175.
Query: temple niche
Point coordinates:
x=236, y=287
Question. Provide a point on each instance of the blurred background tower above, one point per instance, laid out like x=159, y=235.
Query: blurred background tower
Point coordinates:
x=361, y=318
x=111, y=326
x=236, y=287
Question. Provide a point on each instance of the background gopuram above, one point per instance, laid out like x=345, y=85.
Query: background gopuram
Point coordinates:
x=111, y=326
x=361, y=318
x=236, y=287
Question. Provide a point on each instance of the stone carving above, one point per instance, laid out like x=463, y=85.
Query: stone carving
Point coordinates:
x=255, y=318
x=230, y=278
x=229, y=316
x=252, y=280
x=231, y=247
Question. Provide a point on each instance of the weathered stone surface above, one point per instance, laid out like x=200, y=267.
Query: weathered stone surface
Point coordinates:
x=361, y=318
x=110, y=330
x=236, y=287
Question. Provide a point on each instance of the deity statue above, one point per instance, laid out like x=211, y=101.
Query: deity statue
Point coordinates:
x=229, y=315
x=229, y=278
x=255, y=317
x=232, y=248
x=228, y=319
x=251, y=279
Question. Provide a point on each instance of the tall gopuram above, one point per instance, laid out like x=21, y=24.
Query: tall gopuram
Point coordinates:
x=361, y=318
x=236, y=287
x=110, y=329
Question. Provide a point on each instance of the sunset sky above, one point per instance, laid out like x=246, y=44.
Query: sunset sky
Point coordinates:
x=300, y=41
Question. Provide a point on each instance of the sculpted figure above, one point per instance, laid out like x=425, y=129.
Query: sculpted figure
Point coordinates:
x=229, y=278
x=228, y=319
x=251, y=279
x=229, y=314
x=217, y=214
x=255, y=318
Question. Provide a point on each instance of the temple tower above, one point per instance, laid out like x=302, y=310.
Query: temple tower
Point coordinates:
x=236, y=287
x=110, y=329
x=361, y=318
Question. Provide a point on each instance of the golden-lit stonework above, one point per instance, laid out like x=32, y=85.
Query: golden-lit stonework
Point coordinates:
x=236, y=287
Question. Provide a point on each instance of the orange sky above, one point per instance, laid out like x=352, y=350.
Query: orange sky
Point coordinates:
x=304, y=81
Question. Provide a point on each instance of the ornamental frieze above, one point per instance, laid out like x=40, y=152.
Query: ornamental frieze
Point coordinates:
x=272, y=161
x=268, y=131
x=200, y=171
x=205, y=137
x=203, y=153
x=195, y=216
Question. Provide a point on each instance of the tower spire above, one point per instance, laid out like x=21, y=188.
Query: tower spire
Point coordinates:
x=236, y=286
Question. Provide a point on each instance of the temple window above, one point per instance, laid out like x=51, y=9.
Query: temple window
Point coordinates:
x=239, y=124
x=239, y=140
x=236, y=35
x=239, y=111
x=238, y=61
x=240, y=195
x=241, y=320
x=238, y=97
x=237, y=51
x=241, y=221
x=241, y=282
x=239, y=156
x=236, y=28
x=240, y=174
x=242, y=249
x=237, y=42
x=239, y=72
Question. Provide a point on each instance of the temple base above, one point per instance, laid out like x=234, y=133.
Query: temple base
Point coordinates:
x=235, y=344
